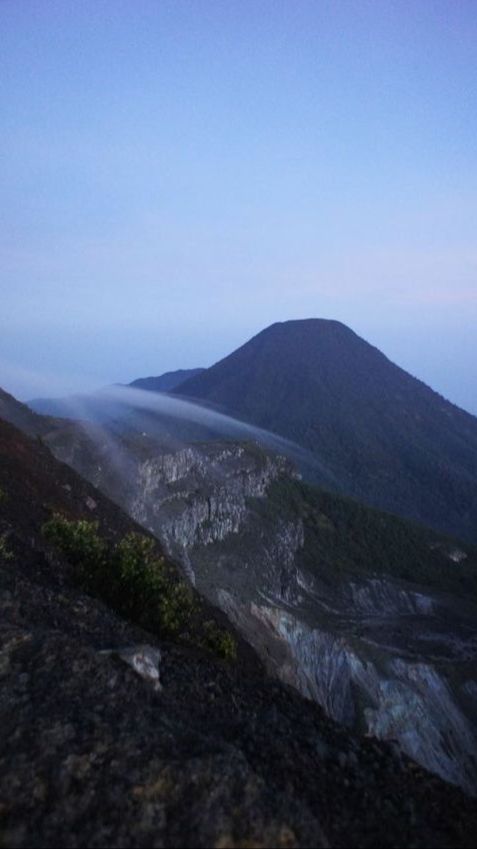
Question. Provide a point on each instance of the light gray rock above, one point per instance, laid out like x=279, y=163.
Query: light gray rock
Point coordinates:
x=144, y=659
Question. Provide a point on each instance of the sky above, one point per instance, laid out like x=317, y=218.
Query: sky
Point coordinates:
x=176, y=176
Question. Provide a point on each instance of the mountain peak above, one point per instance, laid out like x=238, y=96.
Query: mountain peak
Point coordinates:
x=309, y=323
x=308, y=327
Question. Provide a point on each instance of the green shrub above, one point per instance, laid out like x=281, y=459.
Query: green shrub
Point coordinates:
x=136, y=582
x=219, y=641
x=83, y=548
x=5, y=553
x=344, y=538
x=3, y=496
x=154, y=593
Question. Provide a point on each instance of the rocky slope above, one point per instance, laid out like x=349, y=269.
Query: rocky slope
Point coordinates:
x=94, y=752
x=359, y=611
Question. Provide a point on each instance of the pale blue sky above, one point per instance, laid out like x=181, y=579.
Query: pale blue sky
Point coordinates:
x=175, y=176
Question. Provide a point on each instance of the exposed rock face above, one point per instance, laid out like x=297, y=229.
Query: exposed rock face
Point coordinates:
x=197, y=496
x=396, y=674
x=373, y=687
x=380, y=655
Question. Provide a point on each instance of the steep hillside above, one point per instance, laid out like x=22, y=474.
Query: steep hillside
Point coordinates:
x=36, y=489
x=111, y=736
x=389, y=439
x=370, y=615
x=166, y=382
x=323, y=587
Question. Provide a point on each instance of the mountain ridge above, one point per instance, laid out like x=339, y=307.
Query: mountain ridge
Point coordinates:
x=62, y=406
x=166, y=382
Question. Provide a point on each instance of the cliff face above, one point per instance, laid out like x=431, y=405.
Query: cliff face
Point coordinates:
x=198, y=496
x=376, y=684
x=381, y=655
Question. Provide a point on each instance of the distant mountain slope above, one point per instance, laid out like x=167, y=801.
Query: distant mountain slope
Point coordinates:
x=81, y=405
x=389, y=439
x=166, y=382
x=69, y=406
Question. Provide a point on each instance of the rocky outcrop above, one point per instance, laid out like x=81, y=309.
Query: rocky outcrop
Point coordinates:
x=198, y=495
x=376, y=686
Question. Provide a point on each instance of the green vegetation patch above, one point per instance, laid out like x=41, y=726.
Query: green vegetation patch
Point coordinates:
x=5, y=553
x=219, y=641
x=137, y=583
x=343, y=537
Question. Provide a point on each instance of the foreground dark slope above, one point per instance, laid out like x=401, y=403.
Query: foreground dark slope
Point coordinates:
x=92, y=754
x=389, y=439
